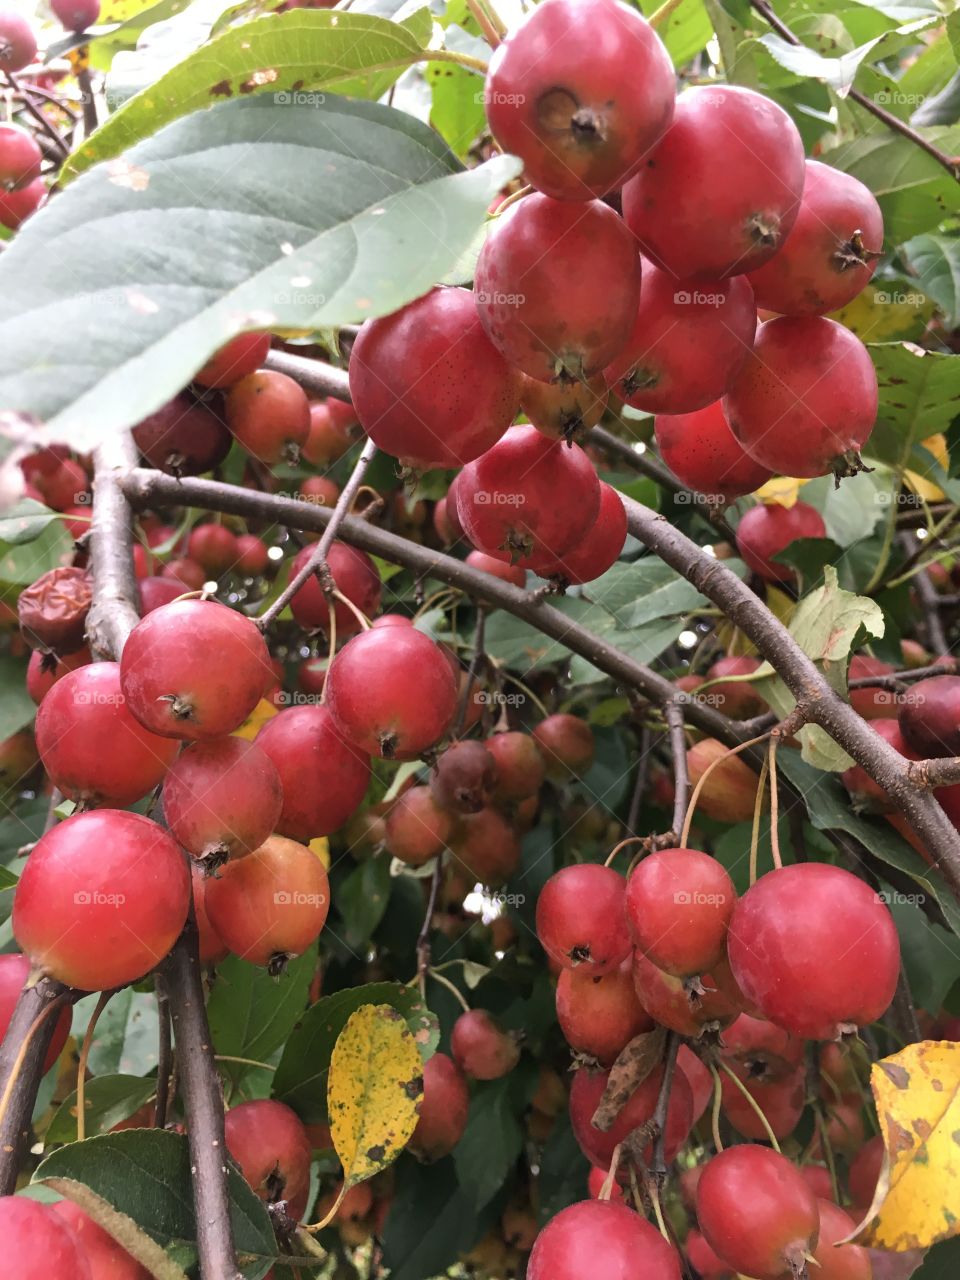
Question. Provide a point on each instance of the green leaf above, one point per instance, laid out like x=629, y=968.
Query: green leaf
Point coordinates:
x=251, y=1014
x=17, y=708
x=919, y=392
x=362, y=899
x=145, y=1174
x=492, y=1140
x=301, y=1076
x=837, y=72
x=22, y=563
x=457, y=110
x=331, y=213
x=686, y=31
x=431, y=1221
x=133, y=17
x=107, y=1101
x=25, y=521
x=929, y=953
x=126, y=1036
x=936, y=260
x=286, y=55
x=564, y=1170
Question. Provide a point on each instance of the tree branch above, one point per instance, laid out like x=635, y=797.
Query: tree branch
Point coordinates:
x=316, y=377
x=114, y=612
x=681, y=779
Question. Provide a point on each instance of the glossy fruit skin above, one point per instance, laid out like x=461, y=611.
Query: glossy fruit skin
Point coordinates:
x=676, y=1005
x=486, y=846
x=91, y=746
x=747, y=153
x=214, y=547
x=76, y=15
x=581, y=126
x=269, y=414
x=729, y=794
x=600, y=548
x=331, y=424
x=106, y=1258
x=815, y=949
x=782, y=1103
x=732, y=698
x=865, y=1171
x=183, y=437
x=679, y=903
x=868, y=796
x=252, y=556
x=18, y=45
x=702, y=1258
x=705, y=455
x=848, y=1261
x=520, y=767
x=766, y=530
x=598, y=1146
x=443, y=1111
x=805, y=400
x=928, y=716
x=322, y=776
x=240, y=356
x=271, y=905
x=600, y=1013
x=581, y=918
x=758, y=1050
x=14, y=972
x=53, y=610
x=566, y=743
x=687, y=341
x=41, y=1242
x=464, y=778
x=828, y=257
x=19, y=157
x=321, y=491
x=156, y=592
x=782, y=1222
x=193, y=669
x=391, y=692
x=417, y=828
x=271, y=1146
x=564, y=410
x=212, y=948
x=531, y=497
x=428, y=385
x=818, y=1179
x=502, y=569
x=603, y=1239
x=481, y=1048
x=222, y=798
x=44, y=670
x=17, y=206
x=698, y=1078
x=872, y=703
x=109, y=875
x=354, y=575
x=557, y=286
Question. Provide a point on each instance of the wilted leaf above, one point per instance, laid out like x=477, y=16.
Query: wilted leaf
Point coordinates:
x=916, y=1093
x=374, y=1091
x=634, y=1063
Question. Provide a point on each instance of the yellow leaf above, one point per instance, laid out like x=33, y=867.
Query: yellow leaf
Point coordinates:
x=374, y=1090
x=255, y=721
x=882, y=313
x=321, y=847
x=916, y=1093
x=930, y=492
x=784, y=490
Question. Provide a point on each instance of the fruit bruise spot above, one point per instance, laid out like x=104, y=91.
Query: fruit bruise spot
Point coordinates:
x=222, y=89
x=899, y=1075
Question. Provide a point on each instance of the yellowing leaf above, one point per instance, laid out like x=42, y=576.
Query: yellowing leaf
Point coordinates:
x=374, y=1090
x=321, y=847
x=784, y=490
x=255, y=721
x=916, y=1092
x=930, y=492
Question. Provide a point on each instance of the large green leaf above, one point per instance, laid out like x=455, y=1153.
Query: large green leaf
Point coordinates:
x=126, y=1037
x=17, y=708
x=936, y=260
x=840, y=71
x=249, y=215
x=919, y=393
x=686, y=31
x=107, y=1100
x=145, y=1174
x=286, y=55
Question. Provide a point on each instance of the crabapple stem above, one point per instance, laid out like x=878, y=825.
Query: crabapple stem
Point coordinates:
x=102, y=1002
x=607, y=1188
x=757, y=810
x=454, y=991
x=753, y=1103
x=691, y=807
x=485, y=22
x=678, y=749
x=461, y=59
x=164, y=1051
x=660, y=16
x=715, y=1108
x=774, y=803
x=622, y=845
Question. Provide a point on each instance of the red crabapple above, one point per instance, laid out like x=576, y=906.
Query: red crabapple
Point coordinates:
x=481, y=1048
x=155, y=592
x=193, y=669
x=734, y=697
x=272, y=904
x=214, y=547
x=837, y=1261
x=831, y=252
x=818, y=1180
x=686, y=1006
x=567, y=745
x=18, y=759
x=241, y=355
x=464, y=777
x=105, y=1256
x=253, y=558
x=769, y=528
x=269, y=415
x=805, y=401
x=781, y=1101
x=18, y=44
x=598, y=1145
x=730, y=792
x=758, y=1050
x=873, y=703
x=601, y=546
x=417, y=828
x=487, y=846
x=564, y=410
x=443, y=1111
x=41, y=1242
x=702, y=1258
x=212, y=948
x=45, y=669
x=744, y=155
x=600, y=1013
x=581, y=918
x=757, y=1212
x=557, y=286
x=323, y=777
x=580, y=125
x=520, y=767
x=331, y=432
x=698, y=1077
x=679, y=903
x=529, y=496
x=705, y=455
x=14, y=972
x=221, y=799
x=269, y=1143
x=354, y=576
x=929, y=716
x=92, y=747
x=109, y=876
x=501, y=569
x=865, y=1172
x=603, y=1239
x=76, y=15
x=816, y=949
x=392, y=692
x=687, y=340
x=19, y=157
x=320, y=490
x=183, y=437
x=186, y=572
x=17, y=206
x=428, y=385
x=868, y=796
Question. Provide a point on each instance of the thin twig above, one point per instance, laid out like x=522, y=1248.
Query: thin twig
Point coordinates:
x=659, y=1166
x=476, y=662
x=640, y=784
x=102, y=1002
x=28, y=102
x=423, y=938
x=673, y=713
x=87, y=99
x=164, y=1053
